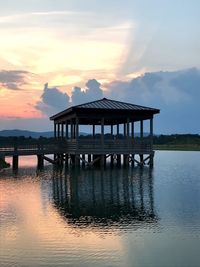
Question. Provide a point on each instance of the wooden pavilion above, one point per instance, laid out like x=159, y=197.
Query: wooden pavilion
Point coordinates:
x=119, y=147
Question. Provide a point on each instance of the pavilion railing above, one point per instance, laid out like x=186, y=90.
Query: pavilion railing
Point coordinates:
x=109, y=145
x=76, y=146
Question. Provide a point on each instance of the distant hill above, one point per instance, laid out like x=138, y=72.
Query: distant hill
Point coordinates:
x=25, y=133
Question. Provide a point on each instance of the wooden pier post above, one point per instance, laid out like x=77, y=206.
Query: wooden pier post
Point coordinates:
x=40, y=163
x=15, y=162
x=77, y=160
x=118, y=160
x=125, y=160
x=111, y=160
x=83, y=160
x=89, y=157
x=66, y=160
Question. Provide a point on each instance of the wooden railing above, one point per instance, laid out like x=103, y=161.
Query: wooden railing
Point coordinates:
x=77, y=146
x=117, y=145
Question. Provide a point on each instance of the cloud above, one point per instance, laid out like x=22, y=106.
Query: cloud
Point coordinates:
x=92, y=92
x=13, y=79
x=176, y=93
x=52, y=101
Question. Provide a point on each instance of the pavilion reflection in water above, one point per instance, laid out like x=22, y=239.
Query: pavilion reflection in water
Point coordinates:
x=120, y=197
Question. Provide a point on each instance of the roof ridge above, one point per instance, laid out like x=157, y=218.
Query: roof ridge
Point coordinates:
x=126, y=103
x=89, y=102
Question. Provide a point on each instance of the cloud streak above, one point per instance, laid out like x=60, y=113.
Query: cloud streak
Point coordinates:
x=13, y=79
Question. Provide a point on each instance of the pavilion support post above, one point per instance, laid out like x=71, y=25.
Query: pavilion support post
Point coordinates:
x=132, y=143
x=141, y=140
x=111, y=131
x=112, y=155
x=128, y=133
x=102, y=133
x=58, y=125
x=55, y=130
x=15, y=162
x=124, y=130
x=71, y=130
x=93, y=131
x=66, y=130
x=141, y=130
x=102, y=140
x=74, y=131
x=62, y=130
x=77, y=129
x=151, y=143
x=132, y=129
x=118, y=155
x=117, y=131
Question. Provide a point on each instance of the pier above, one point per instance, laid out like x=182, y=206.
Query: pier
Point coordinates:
x=118, y=145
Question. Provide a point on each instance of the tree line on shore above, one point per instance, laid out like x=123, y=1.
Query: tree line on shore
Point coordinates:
x=173, y=139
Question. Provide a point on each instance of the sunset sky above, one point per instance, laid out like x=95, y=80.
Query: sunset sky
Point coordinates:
x=66, y=43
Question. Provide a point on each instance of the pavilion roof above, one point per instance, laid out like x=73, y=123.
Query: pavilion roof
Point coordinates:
x=105, y=104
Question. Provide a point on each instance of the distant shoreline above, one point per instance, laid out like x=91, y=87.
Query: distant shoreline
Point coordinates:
x=177, y=147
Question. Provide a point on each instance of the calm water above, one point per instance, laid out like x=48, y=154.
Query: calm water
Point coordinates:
x=118, y=217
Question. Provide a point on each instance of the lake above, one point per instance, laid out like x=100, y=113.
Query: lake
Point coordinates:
x=112, y=217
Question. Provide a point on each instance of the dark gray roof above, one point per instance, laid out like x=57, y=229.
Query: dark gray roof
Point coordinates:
x=105, y=105
x=111, y=104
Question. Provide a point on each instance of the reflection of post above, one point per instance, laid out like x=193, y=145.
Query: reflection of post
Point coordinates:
x=93, y=188
x=102, y=188
x=111, y=188
x=126, y=188
x=132, y=191
x=151, y=191
x=141, y=190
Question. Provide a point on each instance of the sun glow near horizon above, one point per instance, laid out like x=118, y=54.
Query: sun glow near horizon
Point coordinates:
x=62, y=56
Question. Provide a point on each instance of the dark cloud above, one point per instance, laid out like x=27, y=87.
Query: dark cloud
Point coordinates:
x=13, y=79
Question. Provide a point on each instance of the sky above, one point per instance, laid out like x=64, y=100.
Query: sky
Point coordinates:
x=54, y=54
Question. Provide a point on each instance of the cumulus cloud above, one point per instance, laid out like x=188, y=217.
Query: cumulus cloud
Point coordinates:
x=52, y=101
x=92, y=92
x=13, y=79
x=176, y=93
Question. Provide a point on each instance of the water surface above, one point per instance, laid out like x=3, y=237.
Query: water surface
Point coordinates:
x=112, y=217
